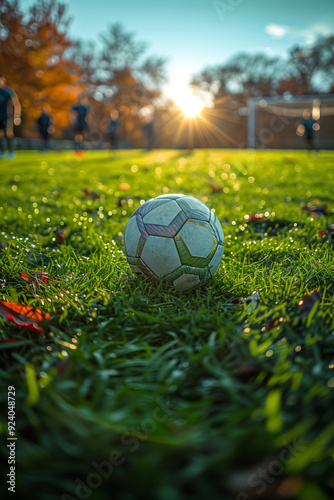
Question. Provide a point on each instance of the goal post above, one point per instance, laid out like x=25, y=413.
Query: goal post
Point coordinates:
x=272, y=122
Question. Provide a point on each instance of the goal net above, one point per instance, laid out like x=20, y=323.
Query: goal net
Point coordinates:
x=274, y=122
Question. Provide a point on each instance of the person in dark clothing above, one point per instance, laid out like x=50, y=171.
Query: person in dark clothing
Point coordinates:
x=10, y=114
x=80, y=111
x=113, y=124
x=149, y=131
x=308, y=126
x=44, y=123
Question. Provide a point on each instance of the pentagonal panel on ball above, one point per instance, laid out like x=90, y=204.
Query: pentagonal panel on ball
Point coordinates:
x=163, y=214
x=160, y=255
x=197, y=238
x=131, y=237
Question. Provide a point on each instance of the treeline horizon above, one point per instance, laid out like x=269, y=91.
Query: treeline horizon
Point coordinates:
x=45, y=66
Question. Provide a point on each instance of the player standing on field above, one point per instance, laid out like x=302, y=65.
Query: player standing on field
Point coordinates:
x=308, y=126
x=10, y=114
x=44, y=123
x=80, y=111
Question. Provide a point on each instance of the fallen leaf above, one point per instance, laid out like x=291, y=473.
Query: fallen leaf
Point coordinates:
x=305, y=306
x=254, y=217
x=307, y=302
x=329, y=230
x=79, y=154
x=316, y=210
x=36, y=278
x=61, y=235
x=8, y=341
x=90, y=194
x=274, y=323
x=120, y=201
x=124, y=186
x=22, y=315
x=215, y=187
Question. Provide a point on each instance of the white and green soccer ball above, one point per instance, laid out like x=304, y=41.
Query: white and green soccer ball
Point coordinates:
x=176, y=238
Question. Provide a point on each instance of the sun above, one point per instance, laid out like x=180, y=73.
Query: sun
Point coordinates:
x=190, y=104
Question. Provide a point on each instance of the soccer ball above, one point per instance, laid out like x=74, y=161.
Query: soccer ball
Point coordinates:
x=176, y=238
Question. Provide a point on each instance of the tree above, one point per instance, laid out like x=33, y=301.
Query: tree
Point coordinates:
x=126, y=79
x=313, y=67
x=307, y=70
x=33, y=57
x=244, y=76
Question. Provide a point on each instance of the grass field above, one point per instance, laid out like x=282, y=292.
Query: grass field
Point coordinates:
x=136, y=392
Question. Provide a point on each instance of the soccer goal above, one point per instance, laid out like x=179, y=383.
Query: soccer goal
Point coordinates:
x=273, y=122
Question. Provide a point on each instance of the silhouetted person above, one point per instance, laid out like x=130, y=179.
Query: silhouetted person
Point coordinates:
x=149, y=131
x=44, y=123
x=112, y=130
x=10, y=114
x=309, y=126
x=81, y=111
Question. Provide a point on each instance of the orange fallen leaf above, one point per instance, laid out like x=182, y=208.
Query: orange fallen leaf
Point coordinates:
x=43, y=276
x=90, y=194
x=22, y=315
x=124, y=186
x=254, y=217
x=329, y=230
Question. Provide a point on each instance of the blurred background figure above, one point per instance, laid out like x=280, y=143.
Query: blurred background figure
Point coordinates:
x=149, y=130
x=80, y=111
x=112, y=130
x=307, y=127
x=45, y=125
x=10, y=114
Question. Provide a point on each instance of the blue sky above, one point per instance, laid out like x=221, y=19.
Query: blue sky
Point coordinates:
x=192, y=34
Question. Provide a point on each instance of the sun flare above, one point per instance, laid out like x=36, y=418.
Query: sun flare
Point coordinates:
x=190, y=104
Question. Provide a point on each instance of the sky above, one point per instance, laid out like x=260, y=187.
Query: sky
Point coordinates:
x=192, y=34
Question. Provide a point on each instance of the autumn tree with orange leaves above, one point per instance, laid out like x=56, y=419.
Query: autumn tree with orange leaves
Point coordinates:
x=33, y=58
